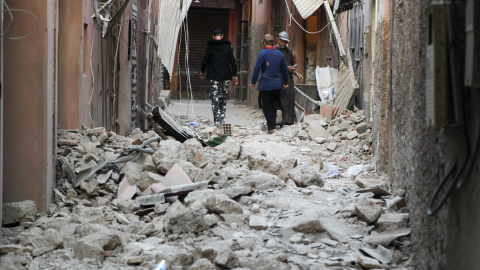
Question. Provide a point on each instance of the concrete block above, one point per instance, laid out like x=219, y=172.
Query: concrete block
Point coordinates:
x=258, y=223
x=165, y=98
x=326, y=111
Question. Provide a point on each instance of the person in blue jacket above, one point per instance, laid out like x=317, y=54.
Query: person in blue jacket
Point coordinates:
x=274, y=76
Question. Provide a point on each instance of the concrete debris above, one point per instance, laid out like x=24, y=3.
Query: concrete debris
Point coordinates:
x=381, y=254
x=258, y=223
x=284, y=201
x=370, y=183
x=150, y=199
x=369, y=263
x=316, y=130
x=332, y=146
x=222, y=204
x=386, y=237
x=125, y=190
x=169, y=153
x=391, y=221
x=367, y=210
x=202, y=264
x=305, y=176
x=396, y=203
x=17, y=212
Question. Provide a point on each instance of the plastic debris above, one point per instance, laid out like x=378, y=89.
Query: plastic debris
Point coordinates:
x=332, y=174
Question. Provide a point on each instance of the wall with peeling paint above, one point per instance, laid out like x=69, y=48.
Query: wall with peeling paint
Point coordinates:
x=29, y=103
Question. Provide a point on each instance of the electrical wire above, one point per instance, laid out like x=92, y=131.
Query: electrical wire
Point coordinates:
x=301, y=27
x=436, y=201
x=115, y=71
x=187, y=67
x=12, y=22
x=93, y=83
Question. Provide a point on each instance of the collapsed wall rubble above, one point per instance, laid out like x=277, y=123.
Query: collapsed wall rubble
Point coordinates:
x=304, y=198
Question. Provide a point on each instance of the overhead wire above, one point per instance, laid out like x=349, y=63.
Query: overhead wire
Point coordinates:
x=187, y=67
x=115, y=71
x=12, y=22
x=301, y=27
x=93, y=83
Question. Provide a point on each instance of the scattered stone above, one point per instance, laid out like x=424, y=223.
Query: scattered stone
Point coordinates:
x=266, y=209
x=352, y=135
x=149, y=165
x=391, y=221
x=202, y=264
x=4, y=249
x=317, y=131
x=133, y=172
x=91, y=187
x=16, y=212
x=180, y=219
x=362, y=128
x=307, y=223
x=149, y=178
x=386, y=237
x=222, y=204
x=83, y=249
x=226, y=258
x=296, y=238
x=396, y=203
x=258, y=223
x=169, y=153
x=369, y=263
x=331, y=146
x=370, y=183
x=381, y=254
x=305, y=176
x=367, y=210
x=329, y=242
x=50, y=240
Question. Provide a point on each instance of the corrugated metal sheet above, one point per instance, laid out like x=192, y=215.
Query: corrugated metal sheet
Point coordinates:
x=307, y=7
x=308, y=105
x=170, y=17
x=346, y=85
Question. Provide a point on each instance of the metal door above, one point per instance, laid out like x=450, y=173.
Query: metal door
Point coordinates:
x=201, y=23
x=328, y=53
x=356, y=45
x=241, y=55
x=279, y=16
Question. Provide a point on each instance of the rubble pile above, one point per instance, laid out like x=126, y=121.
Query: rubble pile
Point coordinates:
x=305, y=197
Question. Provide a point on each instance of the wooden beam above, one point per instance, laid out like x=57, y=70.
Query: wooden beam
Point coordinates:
x=333, y=25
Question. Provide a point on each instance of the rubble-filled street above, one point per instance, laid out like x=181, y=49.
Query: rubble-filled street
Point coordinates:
x=306, y=197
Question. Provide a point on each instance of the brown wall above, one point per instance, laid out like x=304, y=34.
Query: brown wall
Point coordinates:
x=297, y=37
x=28, y=107
x=70, y=63
x=86, y=72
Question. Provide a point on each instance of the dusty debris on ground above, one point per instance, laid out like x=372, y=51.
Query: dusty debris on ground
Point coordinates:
x=282, y=201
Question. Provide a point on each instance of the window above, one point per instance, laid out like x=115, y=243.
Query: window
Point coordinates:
x=85, y=48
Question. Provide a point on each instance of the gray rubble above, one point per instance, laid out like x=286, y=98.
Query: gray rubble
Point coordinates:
x=257, y=201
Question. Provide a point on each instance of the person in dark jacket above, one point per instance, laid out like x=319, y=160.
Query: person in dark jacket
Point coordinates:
x=221, y=67
x=287, y=97
x=274, y=76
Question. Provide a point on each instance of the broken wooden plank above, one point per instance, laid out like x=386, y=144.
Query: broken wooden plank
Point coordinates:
x=152, y=122
x=331, y=19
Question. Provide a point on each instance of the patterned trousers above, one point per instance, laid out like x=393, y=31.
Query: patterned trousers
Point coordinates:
x=218, y=94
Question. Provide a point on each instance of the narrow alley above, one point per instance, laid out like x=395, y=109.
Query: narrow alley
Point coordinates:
x=135, y=134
